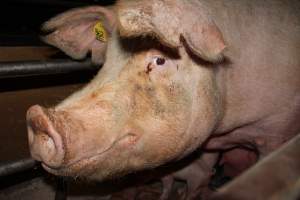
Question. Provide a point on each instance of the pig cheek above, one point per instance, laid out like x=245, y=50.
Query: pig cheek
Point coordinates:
x=163, y=74
x=162, y=139
x=122, y=160
x=161, y=147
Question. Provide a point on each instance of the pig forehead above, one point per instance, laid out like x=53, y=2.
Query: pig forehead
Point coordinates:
x=127, y=47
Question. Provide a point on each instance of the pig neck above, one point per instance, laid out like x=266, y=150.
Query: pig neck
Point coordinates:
x=260, y=75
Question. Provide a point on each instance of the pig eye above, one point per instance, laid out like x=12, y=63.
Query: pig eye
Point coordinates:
x=156, y=61
x=159, y=61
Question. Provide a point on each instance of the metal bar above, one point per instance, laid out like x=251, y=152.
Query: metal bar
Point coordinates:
x=66, y=3
x=51, y=2
x=33, y=68
x=61, y=189
x=277, y=176
x=9, y=168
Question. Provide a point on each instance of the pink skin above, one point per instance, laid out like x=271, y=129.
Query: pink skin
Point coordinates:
x=237, y=161
x=156, y=101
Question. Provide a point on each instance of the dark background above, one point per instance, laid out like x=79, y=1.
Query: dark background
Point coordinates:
x=20, y=19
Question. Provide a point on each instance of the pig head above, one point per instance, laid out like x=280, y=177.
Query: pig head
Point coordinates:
x=154, y=100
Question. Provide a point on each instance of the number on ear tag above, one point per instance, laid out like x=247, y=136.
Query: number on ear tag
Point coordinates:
x=100, y=32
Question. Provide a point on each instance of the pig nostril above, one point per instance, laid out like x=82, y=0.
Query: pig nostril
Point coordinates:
x=48, y=150
x=42, y=146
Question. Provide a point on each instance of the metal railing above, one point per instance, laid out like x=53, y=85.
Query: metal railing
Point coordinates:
x=34, y=68
x=39, y=68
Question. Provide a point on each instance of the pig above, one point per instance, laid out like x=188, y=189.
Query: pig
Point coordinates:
x=178, y=75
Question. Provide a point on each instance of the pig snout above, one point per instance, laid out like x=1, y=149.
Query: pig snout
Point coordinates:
x=44, y=141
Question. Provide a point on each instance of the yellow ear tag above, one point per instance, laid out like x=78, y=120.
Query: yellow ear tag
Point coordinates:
x=100, y=32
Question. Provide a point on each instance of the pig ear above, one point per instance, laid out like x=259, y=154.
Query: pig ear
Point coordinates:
x=173, y=22
x=81, y=31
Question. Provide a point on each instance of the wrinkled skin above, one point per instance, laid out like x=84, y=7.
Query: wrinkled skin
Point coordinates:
x=219, y=74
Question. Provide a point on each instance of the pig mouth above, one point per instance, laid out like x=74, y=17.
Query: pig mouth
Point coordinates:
x=84, y=167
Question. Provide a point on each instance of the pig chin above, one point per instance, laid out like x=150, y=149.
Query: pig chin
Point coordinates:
x=115, y=162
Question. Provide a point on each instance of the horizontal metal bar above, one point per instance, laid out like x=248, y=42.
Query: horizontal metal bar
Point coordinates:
x=65, y=3
x=33, y=68
x=9, y=168
x=51, y=2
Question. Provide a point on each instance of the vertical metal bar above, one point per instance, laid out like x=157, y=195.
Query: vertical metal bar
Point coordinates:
x=61, y=189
